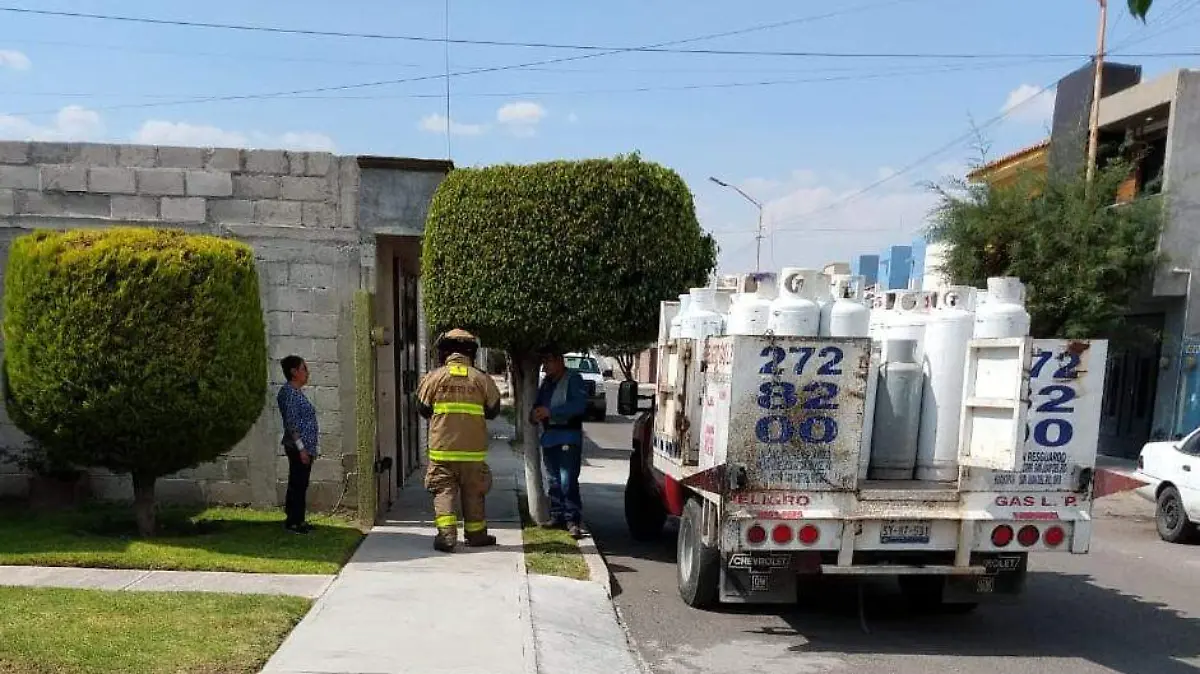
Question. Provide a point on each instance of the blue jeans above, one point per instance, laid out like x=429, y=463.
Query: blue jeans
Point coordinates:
x=563, y=463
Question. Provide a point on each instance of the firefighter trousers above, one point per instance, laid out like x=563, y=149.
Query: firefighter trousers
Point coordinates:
x=450, y=481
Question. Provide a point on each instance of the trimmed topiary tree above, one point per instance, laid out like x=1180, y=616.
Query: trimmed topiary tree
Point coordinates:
x=572, y=253
x=137, y=350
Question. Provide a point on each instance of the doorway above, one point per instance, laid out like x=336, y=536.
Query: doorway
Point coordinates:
x=1129, y=389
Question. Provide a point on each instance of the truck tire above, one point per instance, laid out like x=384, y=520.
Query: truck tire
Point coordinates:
x=644, y=511
x=924, y=593
x=697, y=565
x=1170, y=518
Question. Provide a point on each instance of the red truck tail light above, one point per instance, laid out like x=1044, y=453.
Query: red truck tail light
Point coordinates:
x=1028, y=535
x=781, y=534
x=1054, y=536
x=809, y=534
x=756, y=535
x=1002, y=535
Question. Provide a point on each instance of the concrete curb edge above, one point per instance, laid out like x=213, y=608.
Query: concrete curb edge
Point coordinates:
x=597, y=567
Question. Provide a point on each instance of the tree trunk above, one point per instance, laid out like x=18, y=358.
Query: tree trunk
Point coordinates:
x=515, y=391
x=143, y=503
x=625, y=362
x=525, y=381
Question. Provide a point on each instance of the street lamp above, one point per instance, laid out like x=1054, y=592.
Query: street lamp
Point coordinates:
x=759, y=236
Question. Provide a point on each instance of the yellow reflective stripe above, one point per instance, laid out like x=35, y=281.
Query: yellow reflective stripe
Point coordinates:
x=474, y=527
x=456, y=455
x=446, y=521
x=458, y=370
x=472, y=409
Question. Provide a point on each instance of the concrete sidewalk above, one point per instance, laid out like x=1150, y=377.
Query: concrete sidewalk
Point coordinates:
x=296, y=585
x=400, y=606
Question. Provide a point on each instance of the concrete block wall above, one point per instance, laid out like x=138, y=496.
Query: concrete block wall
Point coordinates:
x=299, y=212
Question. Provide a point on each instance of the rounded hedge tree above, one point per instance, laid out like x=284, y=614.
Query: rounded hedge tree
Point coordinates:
x=137, y=350
x=573, y=253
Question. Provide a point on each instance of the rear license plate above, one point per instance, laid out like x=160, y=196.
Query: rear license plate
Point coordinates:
x=911, y=531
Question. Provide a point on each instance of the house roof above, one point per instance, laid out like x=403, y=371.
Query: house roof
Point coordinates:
x=1009, y=160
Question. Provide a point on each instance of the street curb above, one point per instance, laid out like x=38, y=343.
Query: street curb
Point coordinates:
x=597, y=568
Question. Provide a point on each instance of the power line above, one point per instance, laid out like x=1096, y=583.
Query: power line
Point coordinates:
x=474, y=71
x=858, y=194
x=897, y=72
x=667, y=48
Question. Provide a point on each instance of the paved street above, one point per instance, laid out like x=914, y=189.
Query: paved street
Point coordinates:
x=1131, y=606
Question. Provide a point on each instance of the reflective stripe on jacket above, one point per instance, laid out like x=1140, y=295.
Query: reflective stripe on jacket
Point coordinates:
x=458, y=400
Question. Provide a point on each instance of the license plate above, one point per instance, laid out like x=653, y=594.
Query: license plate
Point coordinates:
x=912, y=531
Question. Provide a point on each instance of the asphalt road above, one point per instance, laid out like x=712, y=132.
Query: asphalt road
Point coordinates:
x=1130, y=606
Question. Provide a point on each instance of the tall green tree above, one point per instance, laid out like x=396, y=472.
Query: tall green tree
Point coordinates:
x=1082, y=258
x=571, y=253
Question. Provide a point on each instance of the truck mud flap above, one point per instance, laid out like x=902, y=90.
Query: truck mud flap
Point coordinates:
x=763, y=578
x=1004, y=580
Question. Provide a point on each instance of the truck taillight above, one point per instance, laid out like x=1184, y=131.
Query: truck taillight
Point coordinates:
x=781, y=534
x=1002, y=535
x=1054, y=536
x=1028, y=535
x=756, y=535
x=808, y=534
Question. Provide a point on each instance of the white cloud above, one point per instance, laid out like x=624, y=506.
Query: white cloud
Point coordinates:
x=437, y=123
x=161, y=132
x=1030, y=104
x=11, y=58
x=70, y=123
x=813, y=219
x=521, y=117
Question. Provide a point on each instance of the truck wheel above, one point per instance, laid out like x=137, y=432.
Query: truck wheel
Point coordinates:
x=644, y=511
x=924, y=593
x=698, y=565
x=1170, y=518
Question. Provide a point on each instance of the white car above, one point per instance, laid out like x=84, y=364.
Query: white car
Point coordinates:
x=1172, y=470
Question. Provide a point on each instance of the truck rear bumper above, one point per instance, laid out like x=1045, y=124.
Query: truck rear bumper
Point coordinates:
x=898, y=570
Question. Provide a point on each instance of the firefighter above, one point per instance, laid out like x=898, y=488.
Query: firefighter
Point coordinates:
x=458, y=400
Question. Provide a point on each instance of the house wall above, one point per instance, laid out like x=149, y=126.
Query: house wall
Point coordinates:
x=300, y=213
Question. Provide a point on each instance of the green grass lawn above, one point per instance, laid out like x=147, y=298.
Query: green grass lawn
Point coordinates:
x=198, y=539
x=550, y=552
x=44, y=630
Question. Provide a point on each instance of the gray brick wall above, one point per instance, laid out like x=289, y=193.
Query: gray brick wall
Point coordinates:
x=291, y=207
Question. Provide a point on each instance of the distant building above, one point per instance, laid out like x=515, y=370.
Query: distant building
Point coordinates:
x=866, y=266
x=895, y=267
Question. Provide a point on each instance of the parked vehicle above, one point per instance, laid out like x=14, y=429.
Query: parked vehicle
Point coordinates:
x=1172, y=471
x=762, y=445
x=593, y=379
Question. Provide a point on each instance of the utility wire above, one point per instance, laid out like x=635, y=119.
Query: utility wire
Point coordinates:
x=462, y=73
x=858, y=194
x=668, y=48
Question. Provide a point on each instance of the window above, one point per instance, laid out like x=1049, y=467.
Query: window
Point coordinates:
x=582, y=364
x=1191, y=445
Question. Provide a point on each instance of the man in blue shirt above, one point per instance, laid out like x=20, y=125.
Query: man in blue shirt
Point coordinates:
x=559, y=407
x=300, y=437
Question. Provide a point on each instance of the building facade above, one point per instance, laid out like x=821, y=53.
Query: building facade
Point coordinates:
x=323, y=228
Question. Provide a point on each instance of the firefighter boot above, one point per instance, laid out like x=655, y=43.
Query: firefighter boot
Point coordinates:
x=445, y=540
x=480, y=540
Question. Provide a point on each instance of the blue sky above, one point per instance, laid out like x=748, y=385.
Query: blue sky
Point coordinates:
x=820, y=129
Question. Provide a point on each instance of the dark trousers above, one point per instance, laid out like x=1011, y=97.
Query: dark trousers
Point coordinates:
x=297, y=488
x=563, y=463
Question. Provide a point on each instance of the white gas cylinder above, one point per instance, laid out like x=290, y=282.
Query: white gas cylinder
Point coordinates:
x=847, y=315
x=702, y=320
x=907, y=319
x=751, y=312
x=796, y=312
x=948, y=333
x=685, y=305
x=1003, y=314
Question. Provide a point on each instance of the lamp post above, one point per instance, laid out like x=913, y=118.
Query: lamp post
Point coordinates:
x=759, y=235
